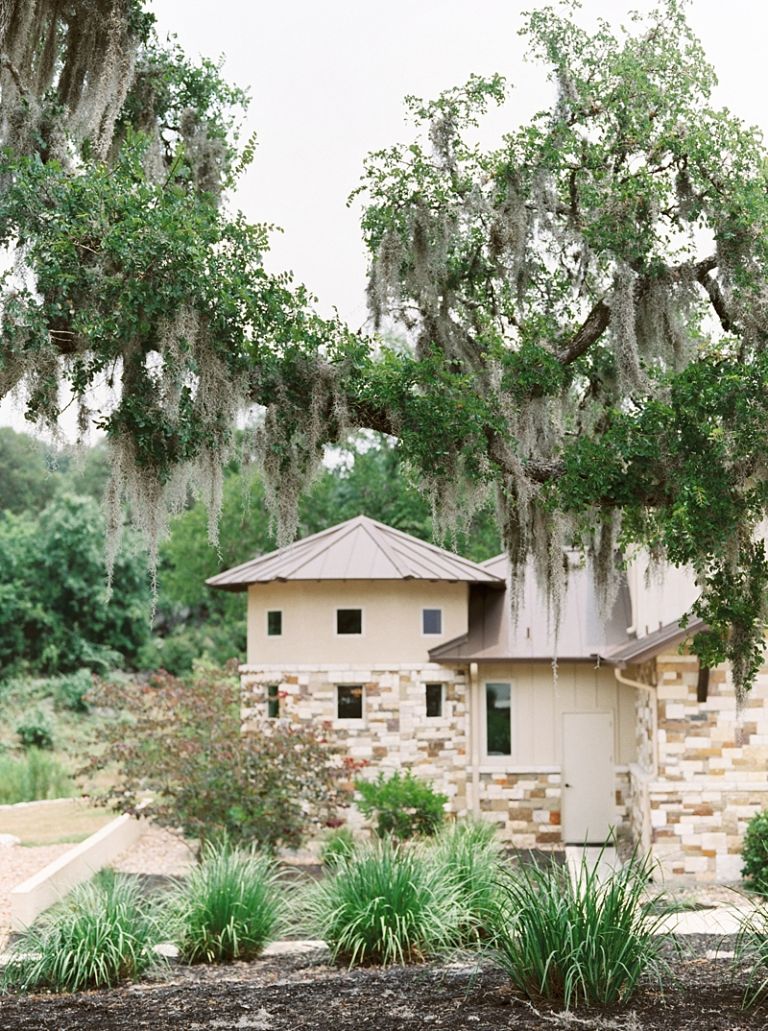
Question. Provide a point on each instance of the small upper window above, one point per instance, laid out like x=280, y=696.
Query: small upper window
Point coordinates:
x=349, y=701
x=349, y=621
x=273, y=701
x=434, y=699
x=274, y=623
x=432, y=621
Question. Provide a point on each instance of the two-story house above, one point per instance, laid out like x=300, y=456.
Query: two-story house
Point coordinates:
x=411, y=654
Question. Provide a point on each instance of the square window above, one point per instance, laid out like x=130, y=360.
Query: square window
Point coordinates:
x=275, y=623
x=273, y=702
x=498, y=719
x=349, y=701
x=432, y=621
x=349, y=621
x=434, y=700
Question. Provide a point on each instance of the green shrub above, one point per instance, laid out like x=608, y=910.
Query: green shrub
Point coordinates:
x=580, y=938
x=229, y=907
x=402, y=805
x=35, y=731
x=385, y=904
x=101, y=935
x=35, y=775
x=469, y=856
x=337, y=847
x=754, y=853
x=71, y=691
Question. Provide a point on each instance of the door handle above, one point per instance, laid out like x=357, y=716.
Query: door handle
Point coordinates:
x=567, y=785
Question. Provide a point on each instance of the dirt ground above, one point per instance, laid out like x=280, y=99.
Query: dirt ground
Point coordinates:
x=301, y=995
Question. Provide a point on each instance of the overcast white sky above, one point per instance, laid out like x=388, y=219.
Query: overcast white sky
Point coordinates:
x=327, y=81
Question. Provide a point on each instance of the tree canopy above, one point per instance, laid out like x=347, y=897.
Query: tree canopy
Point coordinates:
x=582, y=309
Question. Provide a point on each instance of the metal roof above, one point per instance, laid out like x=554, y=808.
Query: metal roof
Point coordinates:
x=359, y=549
x=493, y=636
x=646, y=647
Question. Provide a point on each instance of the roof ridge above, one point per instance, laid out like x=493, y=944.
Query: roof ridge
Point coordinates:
x=375, y=538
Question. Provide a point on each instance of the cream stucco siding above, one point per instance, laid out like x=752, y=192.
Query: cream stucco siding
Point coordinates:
x=392, y=621
x=539, y=702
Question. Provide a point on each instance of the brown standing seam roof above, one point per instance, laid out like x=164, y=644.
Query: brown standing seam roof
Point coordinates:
x=646, y=647
x=359, y=549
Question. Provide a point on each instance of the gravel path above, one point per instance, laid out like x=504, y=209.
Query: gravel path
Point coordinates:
x=17, y=863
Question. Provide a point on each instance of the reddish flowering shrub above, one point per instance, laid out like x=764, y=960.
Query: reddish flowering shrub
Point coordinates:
x=180, y=743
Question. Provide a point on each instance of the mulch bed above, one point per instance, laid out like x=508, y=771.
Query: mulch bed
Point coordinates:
x=296, y=994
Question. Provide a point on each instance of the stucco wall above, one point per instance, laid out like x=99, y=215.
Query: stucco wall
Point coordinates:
x=391, y=621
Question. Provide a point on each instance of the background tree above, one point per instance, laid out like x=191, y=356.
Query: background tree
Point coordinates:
x=55, y=615
x=584, y=306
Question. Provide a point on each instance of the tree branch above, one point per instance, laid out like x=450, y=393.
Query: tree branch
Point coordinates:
x=588, y=333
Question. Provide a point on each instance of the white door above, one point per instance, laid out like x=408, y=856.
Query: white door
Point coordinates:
x=588, y=790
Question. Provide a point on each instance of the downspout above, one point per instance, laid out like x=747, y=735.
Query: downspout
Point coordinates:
x=474, y=732
x=654, y=716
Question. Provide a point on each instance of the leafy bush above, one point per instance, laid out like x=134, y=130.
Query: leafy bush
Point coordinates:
x=385, y=904
x=35, y=731
x=101, y=935
x=227, y=908
x=182, y=742
x=337, y=847
x=469, y=856
x=71, y=691
x=754, y=853
x=579, y=938
x=402, y=805
x=31, y=777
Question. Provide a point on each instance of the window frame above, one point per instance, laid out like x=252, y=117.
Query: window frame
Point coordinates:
x=441, y=713
x=498, y=758
x=272, y=612
x=272, y=698
x=350, y=719
x=348, y=608
x=429, y=633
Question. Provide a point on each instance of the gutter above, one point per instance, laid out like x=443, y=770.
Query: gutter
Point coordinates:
x=651, y=693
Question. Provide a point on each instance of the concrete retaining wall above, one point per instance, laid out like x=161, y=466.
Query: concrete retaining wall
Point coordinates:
x=51, y=884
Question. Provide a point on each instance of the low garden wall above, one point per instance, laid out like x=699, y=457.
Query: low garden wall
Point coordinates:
x=49, y=885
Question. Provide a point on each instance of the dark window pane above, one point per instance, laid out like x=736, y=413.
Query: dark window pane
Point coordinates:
x=434, y=699
x=349, y=702
x=273, y=701
x=497, y=716
x=432, y=621
x=349, y=621
x=274, y=624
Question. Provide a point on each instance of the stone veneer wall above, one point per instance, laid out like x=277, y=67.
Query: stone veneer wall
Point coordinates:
x=711, y=774
x=395, y=733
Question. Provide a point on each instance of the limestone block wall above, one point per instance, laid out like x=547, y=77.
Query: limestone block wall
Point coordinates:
x=525, y=806
x=712, y=771
x=394, y=732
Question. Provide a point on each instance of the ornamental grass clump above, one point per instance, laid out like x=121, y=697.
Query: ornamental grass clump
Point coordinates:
x=579, y=937
x=337, y=847
x=102, y=934
x=469, y=856
x=228, y=907
x=752, y=949
x=384, y=904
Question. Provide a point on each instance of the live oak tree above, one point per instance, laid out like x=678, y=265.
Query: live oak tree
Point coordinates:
x=583, y=309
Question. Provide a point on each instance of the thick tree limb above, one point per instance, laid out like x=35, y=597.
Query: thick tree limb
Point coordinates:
x=588, y=333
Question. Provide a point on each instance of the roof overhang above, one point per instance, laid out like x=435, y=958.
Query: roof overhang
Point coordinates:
x=635, y=652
